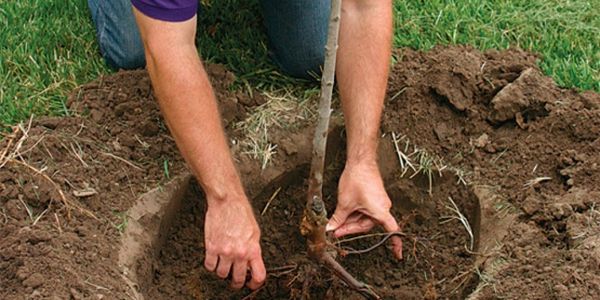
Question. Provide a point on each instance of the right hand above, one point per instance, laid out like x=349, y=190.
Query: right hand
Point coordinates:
x=363, y=203
x=232, y=241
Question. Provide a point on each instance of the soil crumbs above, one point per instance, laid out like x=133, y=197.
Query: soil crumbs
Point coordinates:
x=66, y=185
x=487, y=119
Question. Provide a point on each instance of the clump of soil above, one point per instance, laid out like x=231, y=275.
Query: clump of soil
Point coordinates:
x=528, y=149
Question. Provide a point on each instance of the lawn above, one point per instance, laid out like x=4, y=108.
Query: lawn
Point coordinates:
x=48, y=47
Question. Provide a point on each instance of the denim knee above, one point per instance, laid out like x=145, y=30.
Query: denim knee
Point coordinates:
x=126, y=56
x=117, y=33
x=305, y=62
x=297, y=31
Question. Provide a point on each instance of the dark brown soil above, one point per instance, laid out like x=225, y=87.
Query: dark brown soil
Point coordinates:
x=115, y=146
x=490, y=117
x=531, y=129
x=434, y=251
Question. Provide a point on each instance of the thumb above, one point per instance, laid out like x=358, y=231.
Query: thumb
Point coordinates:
x=337, y=219
x=390, y=225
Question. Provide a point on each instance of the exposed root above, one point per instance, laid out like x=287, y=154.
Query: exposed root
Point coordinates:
x=363, y=236
x=375, y=246
x=313, y=227
x=359, y=286
x=280, y=271
x=315, y=215
x=462, y=278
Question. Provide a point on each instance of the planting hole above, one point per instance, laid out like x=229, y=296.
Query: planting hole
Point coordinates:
x=438, y=259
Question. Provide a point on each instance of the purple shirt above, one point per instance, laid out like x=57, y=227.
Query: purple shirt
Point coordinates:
x=167, y=10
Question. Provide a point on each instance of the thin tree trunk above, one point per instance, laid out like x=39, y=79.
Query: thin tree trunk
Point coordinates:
x=315, y=215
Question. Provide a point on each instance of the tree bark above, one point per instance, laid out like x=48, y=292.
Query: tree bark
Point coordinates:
x=315, y=214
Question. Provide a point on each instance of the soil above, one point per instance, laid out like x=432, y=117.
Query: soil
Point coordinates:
x=113, y=149
x=527, y=149
x=500, y=120
x=434, y=251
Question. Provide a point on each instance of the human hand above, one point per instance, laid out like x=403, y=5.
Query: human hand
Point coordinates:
x=232, y=240
x=363, y=203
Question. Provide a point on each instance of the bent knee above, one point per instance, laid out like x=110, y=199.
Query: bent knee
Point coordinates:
x=301, y=63
x=126, y=57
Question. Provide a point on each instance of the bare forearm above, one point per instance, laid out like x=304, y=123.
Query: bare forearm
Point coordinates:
x=189, y=107
x=362, y=72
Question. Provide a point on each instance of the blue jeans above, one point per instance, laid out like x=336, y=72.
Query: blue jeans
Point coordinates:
x=297, y=32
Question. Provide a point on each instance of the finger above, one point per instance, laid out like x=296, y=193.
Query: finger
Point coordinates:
x=390, y=225
x=397, y=246
x=238, y=279
x=224, y=267
x=363, y=224
x=259, y=273
x=339, y=217
x=210, y=261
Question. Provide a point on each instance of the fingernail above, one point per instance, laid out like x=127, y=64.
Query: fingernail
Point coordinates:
x=328, y=227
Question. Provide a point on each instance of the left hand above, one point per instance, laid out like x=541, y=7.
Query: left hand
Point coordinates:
x=363, y=203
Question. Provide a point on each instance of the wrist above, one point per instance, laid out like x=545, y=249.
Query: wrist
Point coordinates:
x=222, y=187
x=362, y=147
x=225, y=195
x=359, y=158
x=361, y=167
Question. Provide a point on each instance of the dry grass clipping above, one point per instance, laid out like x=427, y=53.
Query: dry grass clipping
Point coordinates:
x=284, y=109
x=12, y=154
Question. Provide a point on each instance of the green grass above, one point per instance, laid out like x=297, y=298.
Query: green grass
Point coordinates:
x=237, y=39
x=565, y=32
x=47, y=47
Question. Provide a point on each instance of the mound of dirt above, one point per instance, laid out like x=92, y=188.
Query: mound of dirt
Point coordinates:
x=493, y=169
x=66, y=185
x=534, y=144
